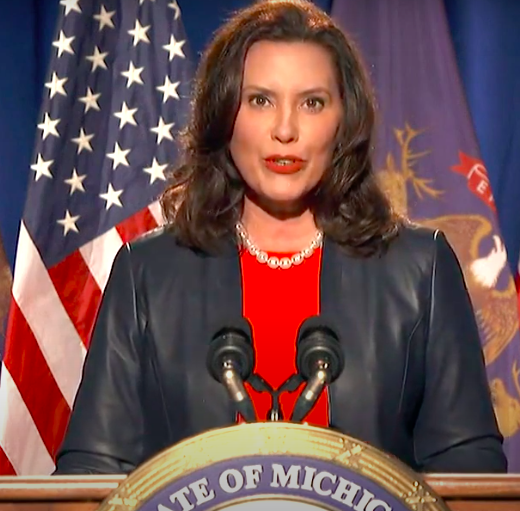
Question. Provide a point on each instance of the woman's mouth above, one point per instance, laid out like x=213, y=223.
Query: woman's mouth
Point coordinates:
x=284, y=164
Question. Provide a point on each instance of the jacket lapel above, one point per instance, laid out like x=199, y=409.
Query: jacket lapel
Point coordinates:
x=344, y=305
x=221, y=299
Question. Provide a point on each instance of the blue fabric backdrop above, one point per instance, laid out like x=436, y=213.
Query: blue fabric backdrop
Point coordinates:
x=486, y=36
x=487, y=42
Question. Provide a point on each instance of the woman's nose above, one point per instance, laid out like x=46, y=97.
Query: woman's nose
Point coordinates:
x=285, y=126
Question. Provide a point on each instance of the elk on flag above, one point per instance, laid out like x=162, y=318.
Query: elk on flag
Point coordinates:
x=429, y=163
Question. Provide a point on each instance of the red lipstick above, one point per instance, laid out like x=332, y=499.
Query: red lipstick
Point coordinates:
x=284, y=164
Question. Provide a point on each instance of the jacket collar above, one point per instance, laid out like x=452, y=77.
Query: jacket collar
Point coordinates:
x=225, y=281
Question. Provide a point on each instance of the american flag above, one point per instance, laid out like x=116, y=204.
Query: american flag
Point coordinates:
x=117, y=92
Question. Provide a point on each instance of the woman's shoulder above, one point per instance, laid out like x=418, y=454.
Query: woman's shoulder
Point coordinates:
x=409, y=263
x=161, y=236
x=154, y=257
x=418, y=246
x=163, y=244
x=416, y=238
x=155, y=247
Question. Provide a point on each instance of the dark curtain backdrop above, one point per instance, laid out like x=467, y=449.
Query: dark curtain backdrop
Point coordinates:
x=486, y=38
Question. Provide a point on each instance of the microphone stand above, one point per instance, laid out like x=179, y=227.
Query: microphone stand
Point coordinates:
x=311, y=392
x=290, y=385
x=236, y=390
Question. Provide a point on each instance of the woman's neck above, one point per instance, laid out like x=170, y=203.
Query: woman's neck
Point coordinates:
x=275, y=234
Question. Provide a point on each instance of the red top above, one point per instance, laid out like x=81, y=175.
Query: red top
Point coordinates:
x=276, y=302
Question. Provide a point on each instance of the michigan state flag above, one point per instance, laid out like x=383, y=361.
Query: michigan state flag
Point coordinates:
x=428, y=161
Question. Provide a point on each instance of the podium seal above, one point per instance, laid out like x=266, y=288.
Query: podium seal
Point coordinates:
x=275, y=466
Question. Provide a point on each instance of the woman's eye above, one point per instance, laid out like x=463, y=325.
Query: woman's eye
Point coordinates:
x=314, y=103
x=258, y=100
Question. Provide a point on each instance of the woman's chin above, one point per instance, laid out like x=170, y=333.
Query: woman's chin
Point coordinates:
x=281, y=204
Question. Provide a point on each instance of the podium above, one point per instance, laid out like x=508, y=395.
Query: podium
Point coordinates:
x=265, y=466
x=460, y=493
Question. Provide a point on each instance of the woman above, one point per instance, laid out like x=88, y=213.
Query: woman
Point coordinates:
x=275, y=215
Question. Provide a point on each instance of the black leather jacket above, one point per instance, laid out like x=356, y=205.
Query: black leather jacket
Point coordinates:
x=414, y=382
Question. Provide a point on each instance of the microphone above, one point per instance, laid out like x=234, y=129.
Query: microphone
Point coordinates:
x=319, y=359
x=230, y=361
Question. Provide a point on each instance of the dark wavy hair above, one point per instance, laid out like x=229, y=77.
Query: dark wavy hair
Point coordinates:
x=205, y=197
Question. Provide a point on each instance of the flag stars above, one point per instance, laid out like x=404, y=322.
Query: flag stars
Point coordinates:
x=90, y=100
x=111, y=197
x=118, y=157
x=97, y=59
x=163, y=130
x=69, y=223
x=169, y=89
x=174, y=48
x=126, y=116
x=156, y=171
x=56, y=85
x=83, y=141
x=104, y=18
x=175, y=6
x=70, y=5
x=133, y=75
x=41, y=167
x=64, y=44
x=76, y=182
x=139, y=33
x=48, y=126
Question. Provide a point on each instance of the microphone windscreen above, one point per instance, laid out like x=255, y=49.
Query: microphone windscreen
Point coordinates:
x=317, y=343
x=231, y=343
x=238, y=325
x=316, y=324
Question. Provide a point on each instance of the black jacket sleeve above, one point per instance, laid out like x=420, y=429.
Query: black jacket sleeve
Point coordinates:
x=456, y=428
x=110, y=382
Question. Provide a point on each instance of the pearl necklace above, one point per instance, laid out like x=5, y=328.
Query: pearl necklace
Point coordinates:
x=274, y=262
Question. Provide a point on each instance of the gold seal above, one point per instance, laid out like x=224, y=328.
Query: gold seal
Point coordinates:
x=262, y=440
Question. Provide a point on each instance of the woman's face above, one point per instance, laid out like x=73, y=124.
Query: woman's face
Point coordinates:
x=285, y=130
